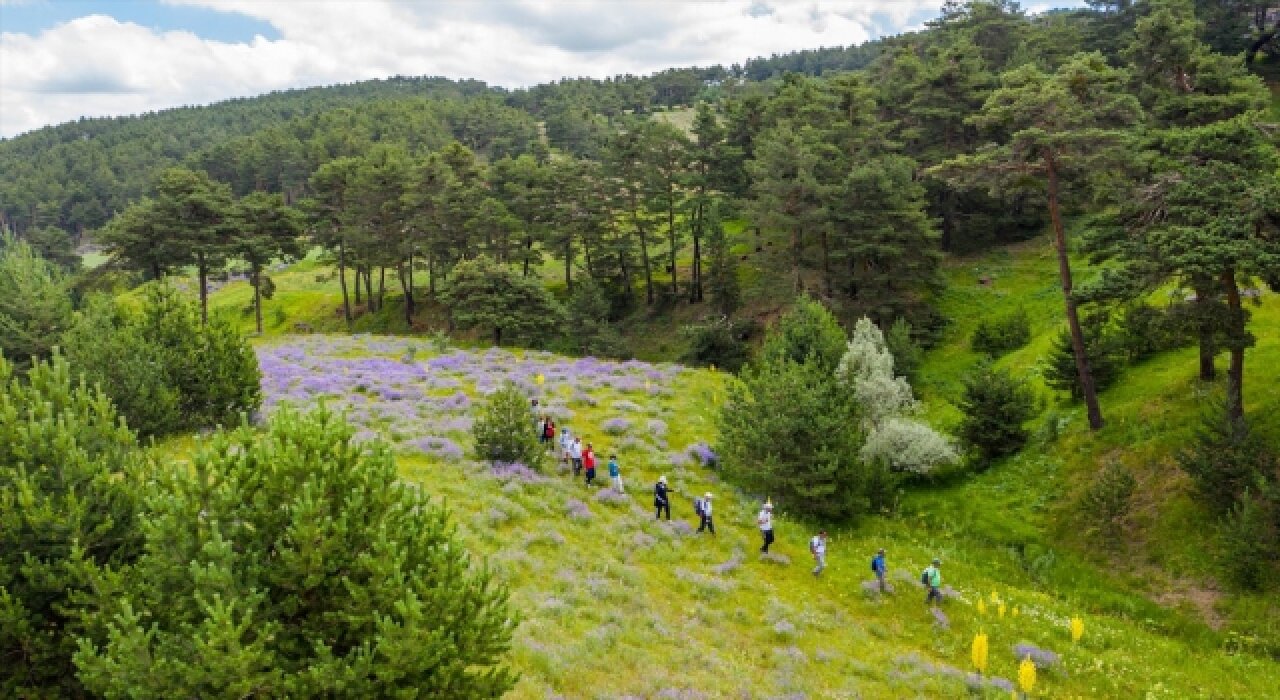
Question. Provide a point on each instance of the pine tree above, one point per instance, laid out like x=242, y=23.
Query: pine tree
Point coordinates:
x=69, y=485
x=484, y=294
x=1060, y=126
x=266, y=229
x=34, y=305
x=296, y=563
x=504, y=429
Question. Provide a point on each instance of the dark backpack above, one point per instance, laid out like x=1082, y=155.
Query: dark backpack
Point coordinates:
x=924, y=577
x=873, y=564
x=697, y=506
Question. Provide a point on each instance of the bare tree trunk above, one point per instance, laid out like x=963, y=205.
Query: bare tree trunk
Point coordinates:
x=382, y=285
x=1073, y=317
x=368, y=289
x=342, y=280
x=1236, y=342
x=202, y=269
x=255, y=277
x=795, y=260
x=826, y=264
x=671, y=235
x=644, y=249
x=408, y=295
x=528, y=249
x=568, y=262
x=1205, y=330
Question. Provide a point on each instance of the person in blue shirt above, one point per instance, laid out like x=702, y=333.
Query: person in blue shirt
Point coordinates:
x=880, y=568
x=615, y=473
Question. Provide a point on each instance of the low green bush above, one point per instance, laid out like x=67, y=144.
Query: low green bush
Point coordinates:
x=1002, y=335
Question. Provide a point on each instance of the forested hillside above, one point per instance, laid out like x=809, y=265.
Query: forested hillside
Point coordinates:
x=1000, y=292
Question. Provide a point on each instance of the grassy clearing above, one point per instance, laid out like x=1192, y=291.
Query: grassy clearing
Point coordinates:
x=614, y=604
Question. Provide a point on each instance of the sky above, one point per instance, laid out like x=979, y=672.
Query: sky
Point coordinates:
x=65, y=59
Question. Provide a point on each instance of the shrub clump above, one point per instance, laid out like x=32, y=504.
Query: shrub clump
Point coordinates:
x=303, y=568
x=996, y=406
x=503, y=430
x=1003, y=335
x=165, y=371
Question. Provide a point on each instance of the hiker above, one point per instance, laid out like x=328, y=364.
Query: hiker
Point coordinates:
x=880, y=568
x=818, y=547
x=703, y=507
x=765, y=522
x=548, y=431
x=615, y=473
x=932, y=577
x=660, y=500
x=566, y=446
x=533, y=408
x=589, y=461
x=575, y=456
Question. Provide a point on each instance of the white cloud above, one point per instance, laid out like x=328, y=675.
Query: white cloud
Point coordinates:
x=97, y=66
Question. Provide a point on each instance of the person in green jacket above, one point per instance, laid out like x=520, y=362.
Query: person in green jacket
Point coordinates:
x=933, y=579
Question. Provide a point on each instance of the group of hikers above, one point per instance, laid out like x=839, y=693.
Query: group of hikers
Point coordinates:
x=583, y=459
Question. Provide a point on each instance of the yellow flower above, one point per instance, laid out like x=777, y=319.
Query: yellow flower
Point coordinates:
x=1027, y=675
x=982, y=607
x=995, y=597
x=712, y=368
x=539, y=379
x=980, y=652
x=1015, y=611
x=1000, y=611
x=1077, y=629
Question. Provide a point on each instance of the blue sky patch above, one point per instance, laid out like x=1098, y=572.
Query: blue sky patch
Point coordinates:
x=39, y=15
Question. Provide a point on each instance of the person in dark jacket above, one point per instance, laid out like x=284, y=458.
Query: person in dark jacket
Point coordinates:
x=660, y=501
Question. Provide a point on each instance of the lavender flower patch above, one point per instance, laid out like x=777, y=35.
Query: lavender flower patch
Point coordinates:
x=679, y=694
x=784, y=628
x=616, y=426
x=515, y=472
x=940, y=618
x=702, y=452
x=577, y=510
x=776, y=558
x=1042, y=658
x=728, y=567
x=657, y=428
x=438, y=446
x=610, y=497
x=642, y=540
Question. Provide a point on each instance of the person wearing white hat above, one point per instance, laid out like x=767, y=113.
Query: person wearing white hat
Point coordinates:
x=703, y=506
x=660, y=500
x=765, y=523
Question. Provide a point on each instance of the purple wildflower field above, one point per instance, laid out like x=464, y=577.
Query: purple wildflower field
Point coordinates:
x=424, y=405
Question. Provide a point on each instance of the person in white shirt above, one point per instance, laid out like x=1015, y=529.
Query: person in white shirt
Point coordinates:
x=704, y=512
x=575, y=455
x=765, y=522
x=818, y=546
x=566, y=445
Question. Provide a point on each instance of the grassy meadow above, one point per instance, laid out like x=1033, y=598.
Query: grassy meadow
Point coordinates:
x=614, y=604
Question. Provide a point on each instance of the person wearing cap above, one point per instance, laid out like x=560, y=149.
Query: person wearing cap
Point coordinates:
x=933, y=579
x=704, y=512
x=765, y=523
x=818, y=547
x=880, y=568
x=660, y=500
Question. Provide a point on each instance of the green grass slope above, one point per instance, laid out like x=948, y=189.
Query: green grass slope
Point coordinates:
x=616, y=605
x=1029, y=504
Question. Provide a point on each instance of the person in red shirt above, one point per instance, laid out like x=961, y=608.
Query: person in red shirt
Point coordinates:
x=589, y=463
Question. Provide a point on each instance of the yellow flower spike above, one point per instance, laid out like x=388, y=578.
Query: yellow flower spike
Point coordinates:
x=995, y=597
x=1000, y=611
x=982, y=607
x=1027, y=675
x=979, y=652
x=1015, y=611
x=1077, y=629
x=540, y=379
